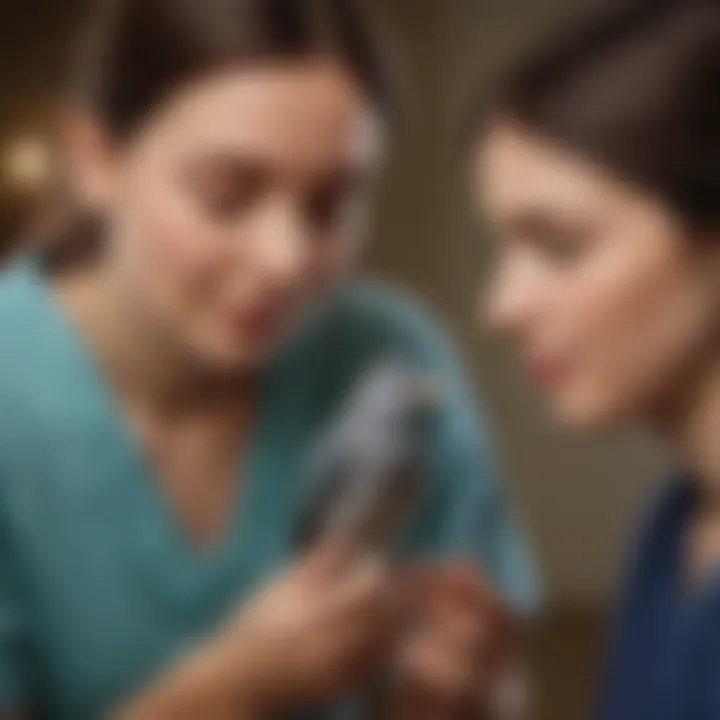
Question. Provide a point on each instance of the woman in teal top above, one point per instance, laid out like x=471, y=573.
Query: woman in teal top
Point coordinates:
x=168, y=362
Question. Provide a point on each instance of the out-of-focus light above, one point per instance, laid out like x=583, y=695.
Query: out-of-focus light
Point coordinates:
x=26, y=164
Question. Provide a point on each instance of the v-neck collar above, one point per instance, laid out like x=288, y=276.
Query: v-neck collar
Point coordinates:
x=254, y=539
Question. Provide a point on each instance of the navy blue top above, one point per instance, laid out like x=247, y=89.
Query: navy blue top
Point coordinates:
x=664, y=660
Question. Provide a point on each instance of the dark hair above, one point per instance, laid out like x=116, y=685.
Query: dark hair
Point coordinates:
x=635, y=86
x=139, y=51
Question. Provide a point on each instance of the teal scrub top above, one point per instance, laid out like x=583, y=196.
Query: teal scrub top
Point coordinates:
x=99, y=588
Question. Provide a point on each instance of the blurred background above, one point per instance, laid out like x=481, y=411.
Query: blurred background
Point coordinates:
x=576, y=495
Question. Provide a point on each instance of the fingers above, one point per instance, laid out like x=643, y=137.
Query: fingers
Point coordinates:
x=453, y=654
x=460, y=637
x=355, y=590
x=452, y=651
x=462, y=583
x=460, y=590
x=464, y=636
x=361, y=611
x=440, y=670
x=370, y=605
x=327, y=559
x=450, y=664
x=365, y=585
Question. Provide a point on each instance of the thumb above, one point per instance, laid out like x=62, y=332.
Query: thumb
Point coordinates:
x=329, y=557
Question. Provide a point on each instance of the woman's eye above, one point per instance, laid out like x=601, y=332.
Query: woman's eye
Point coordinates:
x=333, y=205
x=225, y=190
x=563, y=245
x=223, y=205
x=564, y=249
x=226, y=201
x=556, y=241
x=328, y=210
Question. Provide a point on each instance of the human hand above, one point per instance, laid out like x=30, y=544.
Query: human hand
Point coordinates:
x=451, y=662
x=314, y=632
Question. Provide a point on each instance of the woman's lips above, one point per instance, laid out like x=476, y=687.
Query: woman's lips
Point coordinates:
x=258, y=323
x=549, y=372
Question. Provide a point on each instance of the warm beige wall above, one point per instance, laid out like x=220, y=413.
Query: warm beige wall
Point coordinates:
x=576, y=495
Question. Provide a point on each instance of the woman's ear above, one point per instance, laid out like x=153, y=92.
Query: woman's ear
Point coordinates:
x=91, y=159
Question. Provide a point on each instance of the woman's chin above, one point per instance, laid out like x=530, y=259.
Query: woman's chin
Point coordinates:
x=585, y=414
x=223, y=356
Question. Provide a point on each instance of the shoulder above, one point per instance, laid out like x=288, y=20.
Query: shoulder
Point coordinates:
x=664, y=515
x=371, y=321
x=659, y=531
x=28, y=331
x=16, y=285
x=382, y=317
x=363, y=323
x=34, y=379
x=23, y=338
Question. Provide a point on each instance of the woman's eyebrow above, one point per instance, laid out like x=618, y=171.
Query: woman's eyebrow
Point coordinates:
x=538, y=220
x=233, y=161
x=525, y=220
x=244, y=165
x=230, y=167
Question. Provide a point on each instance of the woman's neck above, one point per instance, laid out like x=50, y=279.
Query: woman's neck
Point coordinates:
x=144, y=366
x=692, y=421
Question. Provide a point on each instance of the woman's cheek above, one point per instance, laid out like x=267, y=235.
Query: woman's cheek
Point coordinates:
x=639, y=316
x=182, y=241
x=167, y=265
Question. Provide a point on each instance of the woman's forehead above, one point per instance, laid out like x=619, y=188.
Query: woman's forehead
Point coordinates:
x=246, y=112
x=517, y=169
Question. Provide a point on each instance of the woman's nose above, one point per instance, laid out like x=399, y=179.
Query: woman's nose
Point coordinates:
x=510, y=302
x=282, y=245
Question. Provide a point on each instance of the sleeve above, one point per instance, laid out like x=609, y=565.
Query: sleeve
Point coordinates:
x=471, y=515
x=13, y=680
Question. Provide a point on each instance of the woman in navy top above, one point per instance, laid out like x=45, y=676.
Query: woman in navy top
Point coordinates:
x=599, y=167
